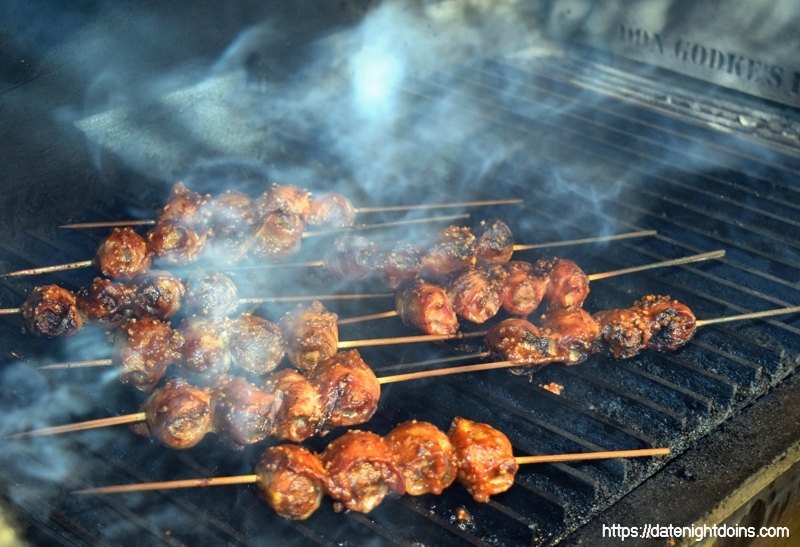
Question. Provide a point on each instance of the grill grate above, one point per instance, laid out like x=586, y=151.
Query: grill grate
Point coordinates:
x=733, y=194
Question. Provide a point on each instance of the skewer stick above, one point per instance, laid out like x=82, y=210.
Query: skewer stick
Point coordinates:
x=9, y=311
x=418, y=207
x=78, y=364
x=82, y=426
x=249, y=479
x=600, y=239
x=51, y=269
x=742, y=317
x=592, y=277
x=385, y=225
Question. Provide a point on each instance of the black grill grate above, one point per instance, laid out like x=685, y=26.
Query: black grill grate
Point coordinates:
x=629, y=166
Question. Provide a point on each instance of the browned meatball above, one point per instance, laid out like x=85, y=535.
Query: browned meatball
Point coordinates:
x=106, y=302
x=495, y=243
x=486, y=464
x=158, y=293
x=278, y=236
x=361, y=471
x=256, y=345
x=310, y=334
x=332, y=211
x=424, y=455
x=123, y=254
x=348, y=389
x=425, y=306
x=285, y=199
x=352, y=257
x=453, y=250
x=401, y=263
x=211, y=293
x=300, y=416
x=204, y=347
x=523, y=290
x=243, y=414
x=230, y=226
x=573, y=335
x=174, y=244
x=567, y=284
x=178, y=415
x=623, y=332
x=474, y=294
x=671, y=323
x=51, y=311
x=184, y=206
x=144, y=348
x=291, y=480
x=519, y=341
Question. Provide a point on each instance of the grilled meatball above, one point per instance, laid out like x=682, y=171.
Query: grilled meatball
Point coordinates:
x=519, y=341
x=291, y=480
x=425, y=306
x=348, y=389
x=495, y=243
x=523, y=290
x=256, y=344
x=144, y=348
x=361, y=471
x=573, y=335
x=453, y=250
x=106, y=302
x=184, y=206
x=174, y=244
x=567, y=284
x=230, y=225
x=623, y=332
x=123, y=254
x=51, y=311
x=332, y=211
x=211, y=293
x=352, y=257
x=158, y=293
x=278, y=236
x=671, y=324
x=243, y=414
x=204, y=347
x=424, y=455
x=474, y=294
x=300, y=416
x=486, y=464
x=178, y=415
x=285, y=198
x=311, y=335
x=401, y=263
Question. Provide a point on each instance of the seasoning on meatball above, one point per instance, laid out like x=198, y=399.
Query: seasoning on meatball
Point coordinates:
x=243, y=414
x=178, y=415
x=106, y=302
x=348, y=388
x=211, y=293
x=51, y=311
x=256, y=345
x=300, y=416
x=158, y=293
x=424, y=455
x=425, y=306
x=311, y=335
x=291, y=480
x=144, y=348
x=123, y=254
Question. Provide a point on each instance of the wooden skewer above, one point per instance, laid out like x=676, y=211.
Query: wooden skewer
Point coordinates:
x=249, y=479
x=51, y=269
x=82, y=426
x=592, y=277
x=418, y=207
x=600, y=239
x=744, y=316
x=386, y=225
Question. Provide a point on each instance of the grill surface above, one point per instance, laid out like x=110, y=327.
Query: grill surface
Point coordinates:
x=588, y=161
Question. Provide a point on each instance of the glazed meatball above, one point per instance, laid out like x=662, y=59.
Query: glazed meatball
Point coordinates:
x=106, y=302
x=278, y=236
x=474, y=294
x=424, y=455
x=425, y=306
x=348, y=389
x=178, y=415
x=243, y=414
x=123, y=255
x=204, y=347
x=522, y=289
x=311, y=335
x=332, y=211
x=158, y=293
x=300, y=416
x=256, y=345
x=291, y=480
x=51, y=311
x=285, y=198
x=174, y=244
x=495, y=243
x=211, y=293
x=144, y=348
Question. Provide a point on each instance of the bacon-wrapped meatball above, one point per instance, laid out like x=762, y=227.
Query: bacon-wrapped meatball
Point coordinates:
x=567, y=284
x=211, y=293
x=178, y=415
x=51, y=311
x=623, y=332
x=425, y=306
x=348, y=389
x=523, y=290
x=573, y=335
x=332, y=211
x=474, y=294
x=144, y=348
x=300, y=416
x=352, y=257
x=174, y=244
x=243, y=414
x=230, y=224
x=519, y=341
x=361, y=471
x=256, y=345
x=486, y=464
x=311, y=335
x=285, y=198
x=291, y=480
x=158, y=293
x=184, y=206
x=123, y=254
x=204, y=347
x=106, y=302
x=495, y=243
x=453, y=250
x=278, y=236
x=424, y=455
x=401, y=263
